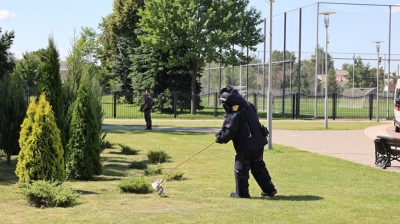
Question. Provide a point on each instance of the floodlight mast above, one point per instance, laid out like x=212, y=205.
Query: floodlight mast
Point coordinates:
x=326, y=21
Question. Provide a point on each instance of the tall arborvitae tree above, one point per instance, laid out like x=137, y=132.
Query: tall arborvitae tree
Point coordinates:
x=95, y=91
x=50, y=84
x=75, y=66
x=42, y=155
x=12, y=112
x=84, y=143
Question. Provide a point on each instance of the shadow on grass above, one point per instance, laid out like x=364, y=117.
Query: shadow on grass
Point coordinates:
x=106, y=178
x=7, y=172
x=114, y=160
x=113, y=169
x=184, y=131
x=83, y=192
x=293, y=198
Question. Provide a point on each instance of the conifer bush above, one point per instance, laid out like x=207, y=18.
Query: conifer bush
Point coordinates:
x=137, y=185
x=42, y=155
x=127, y=150
x=157, y=156
x=83, y=159
x=49, y=194
x=177, y=175
x=50, y=84
x=153, y=170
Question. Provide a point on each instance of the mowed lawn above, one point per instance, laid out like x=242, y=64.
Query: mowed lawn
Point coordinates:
x=311, y=188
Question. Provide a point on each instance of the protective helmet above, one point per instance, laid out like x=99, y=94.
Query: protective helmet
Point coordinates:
x=223, y=96
x=228, y=89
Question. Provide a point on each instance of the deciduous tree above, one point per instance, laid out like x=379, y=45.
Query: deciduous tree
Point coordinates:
x=194, y=32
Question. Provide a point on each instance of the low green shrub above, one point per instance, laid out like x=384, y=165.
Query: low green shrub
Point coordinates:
x=156, y=157
x=141, y=165
x=48, y=194
x=137, y=185
x=178, y=175
x=153, y=170
x=127, y=150
x=105, y=144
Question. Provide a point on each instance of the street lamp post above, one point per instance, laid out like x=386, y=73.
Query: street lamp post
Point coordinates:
x=269, y=113
x=378, y=45
x=326, y=21
x=354, y=63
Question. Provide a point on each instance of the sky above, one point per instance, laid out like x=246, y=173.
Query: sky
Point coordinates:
x=352, y=29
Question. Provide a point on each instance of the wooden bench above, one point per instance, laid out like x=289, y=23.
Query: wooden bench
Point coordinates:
x=386, y=150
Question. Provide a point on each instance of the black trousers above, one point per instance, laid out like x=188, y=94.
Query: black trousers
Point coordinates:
x=247, y=160
x=147, y=118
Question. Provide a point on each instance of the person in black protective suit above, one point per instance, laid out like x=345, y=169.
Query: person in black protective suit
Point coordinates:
x=241, y=125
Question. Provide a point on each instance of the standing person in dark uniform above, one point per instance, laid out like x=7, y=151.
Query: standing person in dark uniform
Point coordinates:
x=241, y=125
x=148, y=103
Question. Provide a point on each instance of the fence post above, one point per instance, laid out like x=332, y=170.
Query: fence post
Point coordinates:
x=334, y=106
x=255, y=100
x=293, y=105
x=297, y=105
x=215, y=104
x=115, y=105
x=175, y=101
x=371, y=99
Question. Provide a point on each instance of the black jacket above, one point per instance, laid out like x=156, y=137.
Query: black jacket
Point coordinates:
x=241, y=124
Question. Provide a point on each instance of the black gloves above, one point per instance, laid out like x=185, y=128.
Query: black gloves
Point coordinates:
x=219, y=140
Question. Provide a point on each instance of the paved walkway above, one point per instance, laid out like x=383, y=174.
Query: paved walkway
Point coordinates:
x=355, y=145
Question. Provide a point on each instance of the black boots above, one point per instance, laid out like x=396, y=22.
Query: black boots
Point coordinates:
x=236, y=195
x=269, y=194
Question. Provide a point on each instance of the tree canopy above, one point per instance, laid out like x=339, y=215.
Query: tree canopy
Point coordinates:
x=6, y=57
x=122, y=22
x=194, y=32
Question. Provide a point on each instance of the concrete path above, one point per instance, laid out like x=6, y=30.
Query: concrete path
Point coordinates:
x=355, y=146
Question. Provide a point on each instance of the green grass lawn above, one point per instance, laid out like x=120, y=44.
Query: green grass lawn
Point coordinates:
x=311, y=188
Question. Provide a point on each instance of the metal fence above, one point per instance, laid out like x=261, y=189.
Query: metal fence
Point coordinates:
x=178, y=104
x=283, y=106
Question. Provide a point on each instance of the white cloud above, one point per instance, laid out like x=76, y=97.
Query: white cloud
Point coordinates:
x=5, y=14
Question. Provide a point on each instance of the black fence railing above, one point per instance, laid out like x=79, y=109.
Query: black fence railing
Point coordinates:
x=207, y=106
x=295, y=106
